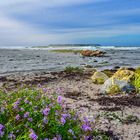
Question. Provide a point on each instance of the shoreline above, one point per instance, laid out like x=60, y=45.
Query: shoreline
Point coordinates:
x=81, y=94
x=14, y=61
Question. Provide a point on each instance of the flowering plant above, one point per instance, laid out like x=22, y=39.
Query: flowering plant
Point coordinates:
x=37, y=114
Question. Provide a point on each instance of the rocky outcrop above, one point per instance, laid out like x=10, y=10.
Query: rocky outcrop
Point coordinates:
x=90, y=53
x=124, y=74
x=99, y=77
x=120, y=82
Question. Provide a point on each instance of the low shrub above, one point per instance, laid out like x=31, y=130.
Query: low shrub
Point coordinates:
x=114, y=89
x=109, y=73
x=31, y=114
x=66, y=51
x=71, y=69
x=136, y=81
x=99, y=81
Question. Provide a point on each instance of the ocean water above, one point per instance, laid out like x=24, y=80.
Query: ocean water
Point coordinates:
x=27, y=59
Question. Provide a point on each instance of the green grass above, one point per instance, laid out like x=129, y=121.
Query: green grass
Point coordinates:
x=66, y=51
x=114, y=89
x=71, y=69
x=135, y=80
x=99, y=81
x=109, y=73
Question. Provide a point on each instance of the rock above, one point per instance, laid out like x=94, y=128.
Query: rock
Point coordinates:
x=129, y=89
x=131, y=69
x=88, y=66
x=95, y=61
x=90, y=53
x=99, y=77
x=124, y=74
x=114, y=86
x=119, y=82
x=86, y=52
x=116, y=67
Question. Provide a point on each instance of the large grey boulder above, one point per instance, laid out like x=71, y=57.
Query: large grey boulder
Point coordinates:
x=114, y=86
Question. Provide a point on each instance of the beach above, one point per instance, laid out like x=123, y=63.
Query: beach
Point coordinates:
x=31, y=67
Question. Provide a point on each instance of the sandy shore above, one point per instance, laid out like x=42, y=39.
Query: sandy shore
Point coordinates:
x=81, y=94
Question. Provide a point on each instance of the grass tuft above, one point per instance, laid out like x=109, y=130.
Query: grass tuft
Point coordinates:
x=66, y=51
x=71, y=69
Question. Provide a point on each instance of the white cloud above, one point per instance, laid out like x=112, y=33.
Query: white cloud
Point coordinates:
x=15, y=32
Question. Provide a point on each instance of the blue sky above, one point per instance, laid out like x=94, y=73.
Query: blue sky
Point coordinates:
x=42, y=22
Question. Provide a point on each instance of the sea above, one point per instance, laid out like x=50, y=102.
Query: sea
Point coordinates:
x=18, y=59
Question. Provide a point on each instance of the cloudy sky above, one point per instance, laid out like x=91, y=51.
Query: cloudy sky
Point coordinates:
x=41, y=22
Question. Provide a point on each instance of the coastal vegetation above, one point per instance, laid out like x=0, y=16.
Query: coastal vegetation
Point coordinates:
x=66, y=51
x=35, y=113
x=70, y=69
x=136, y=79
x=121, y=81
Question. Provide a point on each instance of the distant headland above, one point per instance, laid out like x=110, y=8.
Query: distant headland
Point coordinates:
x=65, y=45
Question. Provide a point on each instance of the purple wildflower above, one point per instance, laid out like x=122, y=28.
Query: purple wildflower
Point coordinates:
x=44, y=90
x=2, y=109
x=45, y=120
x=59, y=99
x=26, y=101
x=86, y=120
x=86, y=128
x=59, y=137
x=59, y=90
x=22, y=109
x=1, y=130
x=1, y=127
x=56, y=112
x=46, y=139
x=11, y=136
x=30, y=119
x=39, y=85
x=71, y=131
x=26, y=114
x=16, y=104
x=65, y=116
x=30, y=103
x=55, y=138
x=87, y=138
x=31, y=130
x=1, y=134
x=63, y=121
x=17, y=117
x=33, y=136
x=46, y=111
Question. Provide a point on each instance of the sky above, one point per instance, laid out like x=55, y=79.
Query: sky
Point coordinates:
x=43, y=22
